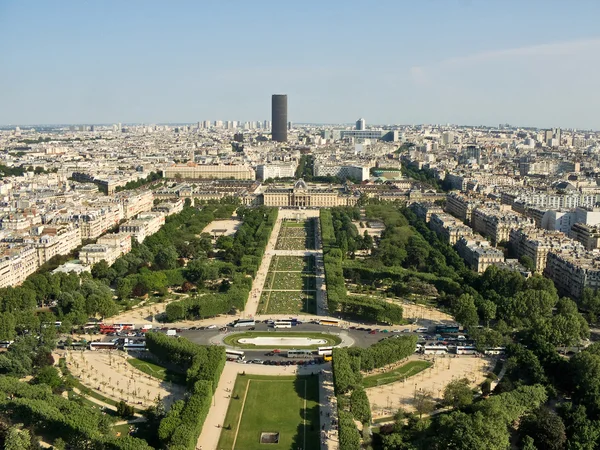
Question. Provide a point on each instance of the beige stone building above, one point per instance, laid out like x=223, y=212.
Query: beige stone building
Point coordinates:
x=17, y=262
x=300, y=195
x=495, y=223
x=193, y=171
x=588, y=235
x=57, y=241
x=478, y=253
x=572, y=272
x=109, y=247
x=537, y=243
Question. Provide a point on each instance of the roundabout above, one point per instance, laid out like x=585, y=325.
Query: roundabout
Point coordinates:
x=266, y=340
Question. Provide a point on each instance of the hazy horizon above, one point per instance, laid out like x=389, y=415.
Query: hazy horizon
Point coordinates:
x=529, y=64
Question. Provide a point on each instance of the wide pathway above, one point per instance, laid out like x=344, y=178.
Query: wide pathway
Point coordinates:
x=328, y=406
x=211, y=431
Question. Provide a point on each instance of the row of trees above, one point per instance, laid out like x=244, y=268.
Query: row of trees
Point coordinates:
x=153, y=176
x=182, y=425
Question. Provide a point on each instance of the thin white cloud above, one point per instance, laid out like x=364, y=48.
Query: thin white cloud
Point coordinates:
x=420, y=74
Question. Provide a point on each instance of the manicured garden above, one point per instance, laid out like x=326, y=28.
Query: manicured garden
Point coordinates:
x=157, y=371
x=288, y=406
x=296, y=236
x=287, y=302
x=293, y=264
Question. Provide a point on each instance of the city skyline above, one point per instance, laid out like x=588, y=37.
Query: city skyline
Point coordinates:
x=432, y=63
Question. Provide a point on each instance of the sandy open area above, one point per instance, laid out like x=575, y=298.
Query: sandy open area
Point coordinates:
x=109, y=373
x=226, y=227
x=422, y=312
x=387, y=399
x=283, y=341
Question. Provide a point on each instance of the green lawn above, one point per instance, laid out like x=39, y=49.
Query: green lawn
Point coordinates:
x=407, y=370
x=293, y=263
x=285, y=405
x=233, y=338
x=156, y=371
x=290, y=302
x=291, y=280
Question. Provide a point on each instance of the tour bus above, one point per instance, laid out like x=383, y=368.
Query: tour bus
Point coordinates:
x=321, y=351
x=234, y=355
x=494, y=351
x=107, y=329
x=244, y=323
x=422, y=330
x=103, y=345
x=466, y=350
x=300, y=353
x=330, y=322
x=282, y=324
x=125, y=326
x=435, y=349
x=138, y=346
x=327, y=358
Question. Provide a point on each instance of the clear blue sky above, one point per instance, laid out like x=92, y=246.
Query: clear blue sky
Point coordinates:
x=527, y=62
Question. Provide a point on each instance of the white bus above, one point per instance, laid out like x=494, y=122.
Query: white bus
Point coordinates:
x=321, y=351
x=282, y=324
x=135, y=346
x=103, y=345
x=244, y=323
x=466, y=350
x=494, y=351
x=330, y=322
x=435, y=349
x=235, y=355
x=299, y=353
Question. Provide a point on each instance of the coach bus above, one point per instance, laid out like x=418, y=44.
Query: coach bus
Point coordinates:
x=282, y=324
x=435, y=349
x=135, y=346
x=330, y=322
x=125, y=326
x=303, y=353
x=103, y=345
x=466, y=350
x=244, y=323
x=235, y=355
x=324, y=351
x=494, y=351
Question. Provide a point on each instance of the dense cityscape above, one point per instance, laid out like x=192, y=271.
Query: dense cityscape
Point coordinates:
x=299, y=226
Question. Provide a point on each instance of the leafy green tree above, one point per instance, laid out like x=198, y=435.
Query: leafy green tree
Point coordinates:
x=48, y=375
x=359, y=405
x=8, y=326
x=166, y=258
x=17, y=439
x=465, y=311
x=546, y=428
x=458, y=394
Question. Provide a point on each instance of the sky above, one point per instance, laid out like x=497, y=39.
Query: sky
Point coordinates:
x=467, y=62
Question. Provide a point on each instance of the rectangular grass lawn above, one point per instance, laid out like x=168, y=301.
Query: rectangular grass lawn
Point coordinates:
x=407, y=370
x=288, y=302
x=285, y=405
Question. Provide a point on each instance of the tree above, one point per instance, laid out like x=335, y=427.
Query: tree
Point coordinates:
x=458, y=394
x=124, y=410
x=359, y=405
x=546, y=428
x=423, y=403
x=8, y=326
x=48, y=375
x=17, y=439
x=100, y=270
x=166, y=258
x=527, y=262
x=465, y=311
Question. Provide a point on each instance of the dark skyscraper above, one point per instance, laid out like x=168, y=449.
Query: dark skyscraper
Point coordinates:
x=279, y=118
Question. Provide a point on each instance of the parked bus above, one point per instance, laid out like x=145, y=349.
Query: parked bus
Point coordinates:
x=435, y=349
x=235, y=355
x=321, y=351
x=125, y=326
x=327, y=358
x=495, y=351
x=103, y=345
x=135, y=346
x=330, y=322
x=244, y=323
x=300, y=353
x=466, y=350
x=107, y=329
x=282, y=324
x=447, y=329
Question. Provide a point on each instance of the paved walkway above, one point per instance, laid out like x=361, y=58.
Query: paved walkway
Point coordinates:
x=211, y=431
x=328, y=406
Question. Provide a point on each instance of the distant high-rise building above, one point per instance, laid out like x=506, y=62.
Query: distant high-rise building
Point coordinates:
x=279, y=118
x=361, y=125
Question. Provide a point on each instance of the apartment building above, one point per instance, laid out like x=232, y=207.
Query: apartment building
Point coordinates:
x=135, y=202
x=478, y=253
x=169, y=208
x=109, y=247
x=60, y=240
x=588, y=235
x=283, y=170
x=461, y=206
x=449, y=228
x=17, y=262
x=193, y=171
x=496, y=222
x=572, y=272
x=424, y=210
x=146, y=224
x=537, y=243
x=360, y=173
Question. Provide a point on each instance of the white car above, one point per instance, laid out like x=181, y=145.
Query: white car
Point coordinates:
x=211, y=327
